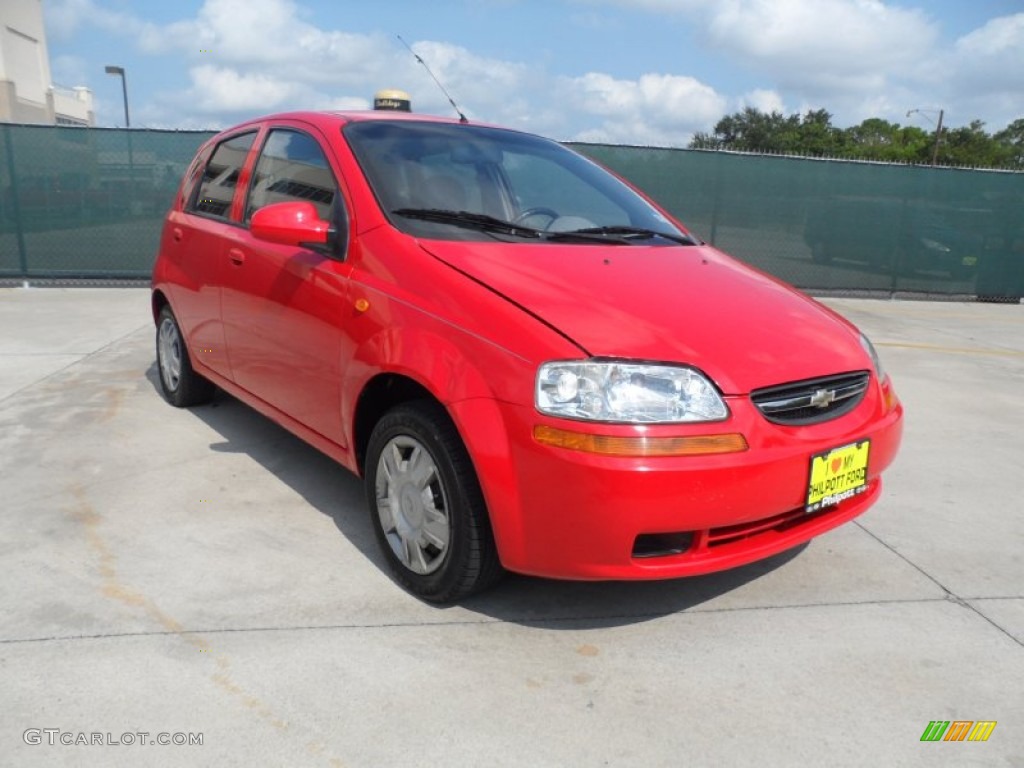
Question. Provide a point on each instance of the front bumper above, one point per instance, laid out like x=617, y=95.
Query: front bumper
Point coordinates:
x=574, y=515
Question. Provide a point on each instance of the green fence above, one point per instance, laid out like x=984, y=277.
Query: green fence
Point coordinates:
x=82, y=202
x=833, y=225
x=88, y=203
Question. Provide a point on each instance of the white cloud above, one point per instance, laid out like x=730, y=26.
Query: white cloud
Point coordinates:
x=991, y=57
x=222, y=89
x=1000, y=37
x=763, y=100
x=860, y=39
x=482, y=87
x=855, y=58
x=847, y=56
x=657, y=6
x=250, y=57
x=65, y=17
x=830, y=36
x=656, y=109
x=343, y=103
x=986, y=69
x=69, y=70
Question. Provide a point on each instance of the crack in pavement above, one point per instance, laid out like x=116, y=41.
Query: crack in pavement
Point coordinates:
x=950, y=594
x=524, y=620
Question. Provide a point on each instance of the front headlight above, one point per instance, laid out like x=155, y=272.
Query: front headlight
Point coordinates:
x=628, y=393
x=873, y=354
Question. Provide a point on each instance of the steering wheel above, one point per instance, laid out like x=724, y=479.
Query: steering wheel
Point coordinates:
x=539, y=210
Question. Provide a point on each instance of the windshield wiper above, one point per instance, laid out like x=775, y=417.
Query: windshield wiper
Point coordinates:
x=617, y=235
x=622, y=231
x=468, y=220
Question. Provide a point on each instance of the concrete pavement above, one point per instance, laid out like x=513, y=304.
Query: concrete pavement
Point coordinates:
x=204, y=572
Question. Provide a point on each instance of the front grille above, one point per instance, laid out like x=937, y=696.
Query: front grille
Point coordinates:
x=812, y=401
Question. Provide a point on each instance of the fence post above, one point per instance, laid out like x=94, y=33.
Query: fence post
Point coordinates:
x=15, y=204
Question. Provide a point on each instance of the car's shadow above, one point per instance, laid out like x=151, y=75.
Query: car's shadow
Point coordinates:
x=338, y=494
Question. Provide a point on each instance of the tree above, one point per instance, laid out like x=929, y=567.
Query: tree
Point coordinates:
x=751, y=130
x=970, y=145
x=813, y=135
x=1011, y=141
x=877, y=139
x=817, y=137
x=748, y=130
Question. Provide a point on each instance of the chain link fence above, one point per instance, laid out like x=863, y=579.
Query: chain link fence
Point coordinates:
x=844, y=226
x=88, y=203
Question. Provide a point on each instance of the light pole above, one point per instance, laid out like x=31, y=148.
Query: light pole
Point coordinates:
x=938, y=130
x=124, y=90
x=112, y=70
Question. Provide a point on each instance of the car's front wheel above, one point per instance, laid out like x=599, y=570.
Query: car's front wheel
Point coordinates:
x=181, y=386
x=426, y=505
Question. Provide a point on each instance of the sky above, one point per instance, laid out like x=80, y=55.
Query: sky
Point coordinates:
x=644, y=72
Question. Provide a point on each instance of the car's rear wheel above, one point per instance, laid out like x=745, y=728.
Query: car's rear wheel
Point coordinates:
x=180, y=385
x=426, y=506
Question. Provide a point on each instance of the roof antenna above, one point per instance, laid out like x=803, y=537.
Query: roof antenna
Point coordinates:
x=462, y=117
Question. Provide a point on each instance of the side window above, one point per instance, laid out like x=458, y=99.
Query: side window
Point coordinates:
x=292, y=168
x=221, y=176
x=192, y=176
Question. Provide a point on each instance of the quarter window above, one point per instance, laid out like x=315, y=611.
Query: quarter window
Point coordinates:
x=220, y=177
x=292, y=168
x=192, y=177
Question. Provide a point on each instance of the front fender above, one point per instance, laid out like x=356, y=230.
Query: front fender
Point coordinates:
x=451, y=367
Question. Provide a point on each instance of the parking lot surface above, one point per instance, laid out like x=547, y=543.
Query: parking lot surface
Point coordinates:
x=177, y=573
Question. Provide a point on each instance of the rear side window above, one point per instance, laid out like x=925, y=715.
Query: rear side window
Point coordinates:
x=192, y=176
x=220, y=177
x=292, y=168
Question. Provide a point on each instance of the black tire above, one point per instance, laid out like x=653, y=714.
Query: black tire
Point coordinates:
x=181, y=386
x=420, y=439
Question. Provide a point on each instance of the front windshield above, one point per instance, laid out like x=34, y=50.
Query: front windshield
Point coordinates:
x=466, y=182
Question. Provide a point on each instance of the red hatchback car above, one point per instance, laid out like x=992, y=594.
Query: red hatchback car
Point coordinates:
x=532, y=366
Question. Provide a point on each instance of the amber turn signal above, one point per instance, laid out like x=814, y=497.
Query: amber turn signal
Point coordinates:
x=640, y=446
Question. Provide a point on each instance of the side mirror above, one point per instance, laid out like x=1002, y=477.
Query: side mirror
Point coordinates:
x=291, y=224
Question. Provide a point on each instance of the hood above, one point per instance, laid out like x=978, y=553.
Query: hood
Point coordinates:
x=687, y=304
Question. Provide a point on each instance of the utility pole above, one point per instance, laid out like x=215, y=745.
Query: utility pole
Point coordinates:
x=938, y=130
x=938, y=138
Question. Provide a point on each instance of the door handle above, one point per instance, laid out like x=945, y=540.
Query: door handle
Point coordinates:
x=237, y=257
x=177, y=234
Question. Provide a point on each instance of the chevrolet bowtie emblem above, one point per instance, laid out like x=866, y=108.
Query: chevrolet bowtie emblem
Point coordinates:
x=823, y=398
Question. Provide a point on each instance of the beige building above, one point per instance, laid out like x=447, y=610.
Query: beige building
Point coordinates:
x=27, y=94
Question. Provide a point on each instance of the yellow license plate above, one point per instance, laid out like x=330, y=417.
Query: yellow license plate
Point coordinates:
x=837, y=475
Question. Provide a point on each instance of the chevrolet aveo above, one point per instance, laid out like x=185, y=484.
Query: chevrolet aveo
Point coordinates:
x=532, y=366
